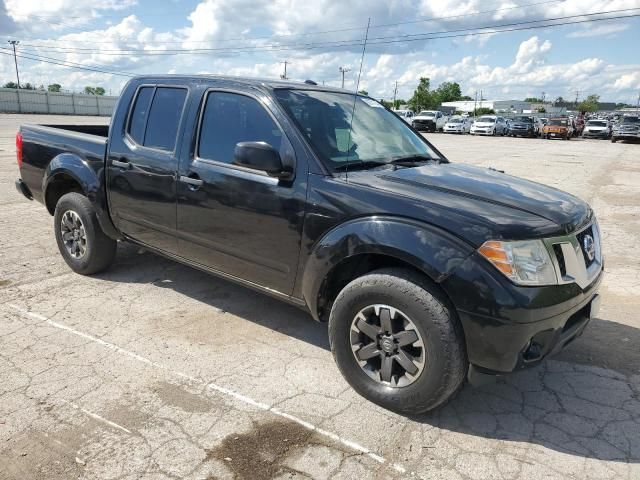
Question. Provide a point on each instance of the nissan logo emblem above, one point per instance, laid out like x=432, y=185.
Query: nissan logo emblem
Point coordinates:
x=589, y=247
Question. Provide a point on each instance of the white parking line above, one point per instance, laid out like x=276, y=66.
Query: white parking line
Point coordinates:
x=95, y=416
x=220, y=389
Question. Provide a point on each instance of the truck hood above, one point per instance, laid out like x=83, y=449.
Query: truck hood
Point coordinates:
x=522, y=124
x=424, y=117
x=491, y=197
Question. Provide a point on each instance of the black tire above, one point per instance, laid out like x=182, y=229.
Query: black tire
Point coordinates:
x=445, y=361
x=99, y=249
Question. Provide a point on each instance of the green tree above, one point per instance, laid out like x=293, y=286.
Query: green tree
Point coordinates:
x=590, y=104
x=89, y=90
x=542, y=110
x=466, y=98
x=448, y=92
x=422, y=97
x=483, y=111
x=54, y=87
x=99, y=91
x=533, y=100
x=10, y=85
x=361, y=92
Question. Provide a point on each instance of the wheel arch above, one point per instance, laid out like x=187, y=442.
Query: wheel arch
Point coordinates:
x=366, y=244
x=67, y=173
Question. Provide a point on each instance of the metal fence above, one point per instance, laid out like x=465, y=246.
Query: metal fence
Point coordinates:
x=38, y=101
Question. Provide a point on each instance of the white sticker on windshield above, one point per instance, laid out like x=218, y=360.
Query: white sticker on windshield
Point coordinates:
x=371, y=103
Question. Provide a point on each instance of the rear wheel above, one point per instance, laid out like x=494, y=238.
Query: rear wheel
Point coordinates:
x=397, y=341
x=81, y=241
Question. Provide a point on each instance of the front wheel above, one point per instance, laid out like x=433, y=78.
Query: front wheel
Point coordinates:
x=397, y=342
x=81, y=241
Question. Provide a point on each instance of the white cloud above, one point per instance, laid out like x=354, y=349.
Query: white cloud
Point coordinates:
x=219, y=23
x=589, y=30
x=628, y=81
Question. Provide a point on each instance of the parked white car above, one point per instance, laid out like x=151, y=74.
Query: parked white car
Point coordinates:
x=406, y=115
x=489, y=125
x=458, y=124
x=597, y=129
x=429, y=120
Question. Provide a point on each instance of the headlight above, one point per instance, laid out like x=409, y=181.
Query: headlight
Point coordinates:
x=524, y=262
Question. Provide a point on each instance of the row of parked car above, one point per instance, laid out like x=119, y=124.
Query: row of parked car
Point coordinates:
x=566, y=127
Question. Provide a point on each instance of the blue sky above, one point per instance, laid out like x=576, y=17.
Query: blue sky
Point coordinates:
x=133, y=36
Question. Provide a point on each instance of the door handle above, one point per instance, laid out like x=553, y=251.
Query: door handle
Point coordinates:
x=123, y=163
x=194, y=182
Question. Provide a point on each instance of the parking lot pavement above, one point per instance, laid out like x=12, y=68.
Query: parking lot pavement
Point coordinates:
x=156, y=370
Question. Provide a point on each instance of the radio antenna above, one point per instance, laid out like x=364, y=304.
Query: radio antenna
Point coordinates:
x=355, y=97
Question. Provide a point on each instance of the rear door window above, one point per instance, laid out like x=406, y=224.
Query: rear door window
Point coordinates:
x=155, y=117
x=138, y=119
x=164, y=118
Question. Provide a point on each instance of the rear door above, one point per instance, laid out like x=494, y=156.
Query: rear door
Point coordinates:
x=234, y=220
x=142, y=166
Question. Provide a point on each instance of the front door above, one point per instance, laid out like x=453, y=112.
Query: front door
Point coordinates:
x=232, y=219
x=142, y=167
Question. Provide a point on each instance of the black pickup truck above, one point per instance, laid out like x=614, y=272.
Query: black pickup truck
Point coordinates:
x=426, y=271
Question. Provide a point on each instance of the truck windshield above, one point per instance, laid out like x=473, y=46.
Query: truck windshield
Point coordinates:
x=558, y=122
x=377, y=137
x=486, y=120
x=523, y=119
x=596, y=123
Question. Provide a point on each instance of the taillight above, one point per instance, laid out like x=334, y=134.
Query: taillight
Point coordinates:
x=19, y=149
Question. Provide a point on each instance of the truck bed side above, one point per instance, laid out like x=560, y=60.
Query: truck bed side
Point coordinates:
x=41, y=144
x=56, y=160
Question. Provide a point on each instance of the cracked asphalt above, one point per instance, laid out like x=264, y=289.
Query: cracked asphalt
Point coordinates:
x=155, y=370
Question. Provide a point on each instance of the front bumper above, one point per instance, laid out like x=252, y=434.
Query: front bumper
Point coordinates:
x=508, y=327
x=522, y=132
x=603, y=134
x=482, y=131
x=424, y=125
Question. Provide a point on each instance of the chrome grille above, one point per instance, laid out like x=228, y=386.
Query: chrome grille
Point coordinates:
x=570, y=259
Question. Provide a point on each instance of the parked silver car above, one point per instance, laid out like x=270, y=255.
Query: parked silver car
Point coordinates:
x=458, y=124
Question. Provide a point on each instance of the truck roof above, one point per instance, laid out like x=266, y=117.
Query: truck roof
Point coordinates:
x=244, y=81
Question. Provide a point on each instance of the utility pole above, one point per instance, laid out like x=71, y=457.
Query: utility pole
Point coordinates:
x=475, y=104
x=343, y=70
x=577, y=94
x=395, y=91
x=284, y=75
x=543, y=96
x=15, y=58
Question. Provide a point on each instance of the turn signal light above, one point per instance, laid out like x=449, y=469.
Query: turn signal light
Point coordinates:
x=496, y=254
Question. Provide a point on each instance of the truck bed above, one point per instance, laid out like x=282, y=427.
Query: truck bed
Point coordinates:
x=41, y=144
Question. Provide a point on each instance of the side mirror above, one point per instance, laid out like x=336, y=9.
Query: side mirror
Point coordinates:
x=259, y=156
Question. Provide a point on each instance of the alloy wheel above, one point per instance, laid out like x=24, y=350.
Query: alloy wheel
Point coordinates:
x=387, y=345
x=73, y=234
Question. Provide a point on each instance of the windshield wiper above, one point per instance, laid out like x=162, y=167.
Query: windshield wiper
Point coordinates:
x=359, y=164
x=410, y=160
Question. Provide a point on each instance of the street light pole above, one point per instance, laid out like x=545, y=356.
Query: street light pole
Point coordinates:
x=343, y=70
x=15, y=58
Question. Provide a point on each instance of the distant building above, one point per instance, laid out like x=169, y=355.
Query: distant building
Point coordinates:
x=498, y=106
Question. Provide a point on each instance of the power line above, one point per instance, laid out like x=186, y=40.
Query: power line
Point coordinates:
x=382, y=25
x=374, y=41
x=62, y=63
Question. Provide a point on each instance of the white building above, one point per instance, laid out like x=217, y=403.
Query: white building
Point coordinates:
x=503, y=106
